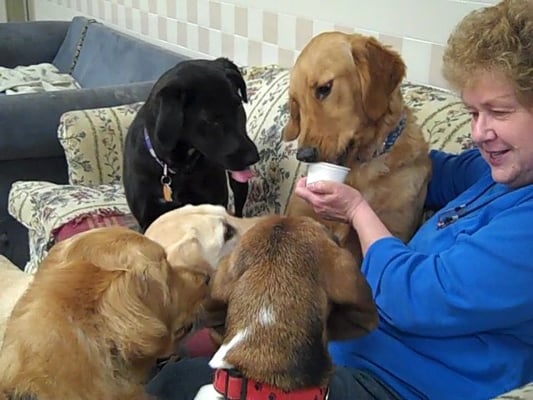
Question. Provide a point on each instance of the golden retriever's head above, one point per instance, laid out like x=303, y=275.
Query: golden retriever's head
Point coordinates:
x=287, y=285
x=340, y=85
x=117, y=287
x=198, y=235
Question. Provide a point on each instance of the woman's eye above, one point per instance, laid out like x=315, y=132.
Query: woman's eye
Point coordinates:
x=323, y=91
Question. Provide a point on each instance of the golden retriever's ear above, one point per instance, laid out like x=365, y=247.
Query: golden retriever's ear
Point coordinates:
x=353, y=311
x=386, y=70
x=292, y=129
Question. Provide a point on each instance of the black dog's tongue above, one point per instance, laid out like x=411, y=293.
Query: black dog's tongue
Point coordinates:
x=242, y=176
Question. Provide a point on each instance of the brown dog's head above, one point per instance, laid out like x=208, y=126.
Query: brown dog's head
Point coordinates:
x=286, y=284
x=119, y=281
x=340, y=85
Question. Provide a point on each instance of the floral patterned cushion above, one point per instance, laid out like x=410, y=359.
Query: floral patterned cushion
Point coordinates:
x=93, y=143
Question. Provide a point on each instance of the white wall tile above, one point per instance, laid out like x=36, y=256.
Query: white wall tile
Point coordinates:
x=203, y=13
x=241, y=51
x=270, y=54
x=215, y=43
x=227, y=12
x=153, y=25
x=255, y=24
x=413, y=51
x=192, y=37
x=287, y=31
x=181, y=10
x=172, y=31
x=136, y=20
x=322, y=26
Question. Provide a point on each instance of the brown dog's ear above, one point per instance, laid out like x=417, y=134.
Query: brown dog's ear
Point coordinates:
x=292, y=129
x=228, y=272
x=353, y=311
x=234, y=75
x=386, y=70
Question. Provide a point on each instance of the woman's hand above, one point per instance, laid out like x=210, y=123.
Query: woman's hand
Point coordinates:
x=337, y=201
x=331, y=200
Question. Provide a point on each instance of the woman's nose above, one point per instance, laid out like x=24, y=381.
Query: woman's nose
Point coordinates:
x=482, y=129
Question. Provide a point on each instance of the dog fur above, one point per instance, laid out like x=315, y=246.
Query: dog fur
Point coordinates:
x=103, y=306
x=196, y=123
x=201, y=235
x=14, y=283
x=344, y=100
x=287, y=284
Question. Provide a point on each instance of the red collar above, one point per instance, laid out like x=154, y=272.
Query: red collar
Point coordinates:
x=233, y=386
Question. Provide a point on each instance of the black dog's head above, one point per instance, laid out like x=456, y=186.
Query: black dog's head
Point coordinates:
x=199, y=104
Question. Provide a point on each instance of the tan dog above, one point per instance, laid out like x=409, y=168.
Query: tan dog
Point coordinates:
x=289, y=288
x=201, y=235
x=102, y=307
x=198, y=234
x=346, y=108
x=13, y=283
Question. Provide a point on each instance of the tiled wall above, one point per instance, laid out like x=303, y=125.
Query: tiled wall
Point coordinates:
x=254, y=32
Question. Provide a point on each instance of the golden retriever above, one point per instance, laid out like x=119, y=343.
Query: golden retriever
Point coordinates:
x=103, y=306
x=346, y=108
x=290, y=288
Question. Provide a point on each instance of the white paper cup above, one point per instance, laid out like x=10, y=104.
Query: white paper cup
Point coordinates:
x=323, y=171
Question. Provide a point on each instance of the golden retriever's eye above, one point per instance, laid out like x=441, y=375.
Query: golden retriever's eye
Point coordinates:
x=229, y=232
x=323, y=91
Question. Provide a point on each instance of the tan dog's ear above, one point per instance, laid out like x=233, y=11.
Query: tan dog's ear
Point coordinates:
x=353, y=311
x=292, y=129
x=188, y=252
x=386, y=70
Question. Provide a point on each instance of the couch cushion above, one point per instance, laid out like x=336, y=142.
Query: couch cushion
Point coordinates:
x=93, y=142
x=109, y=57
x=69, y=50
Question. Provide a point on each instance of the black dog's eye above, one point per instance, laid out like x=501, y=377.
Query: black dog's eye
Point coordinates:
x=323, y=91
x=229, y=232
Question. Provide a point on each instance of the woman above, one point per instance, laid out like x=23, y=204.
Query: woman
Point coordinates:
x=455, y=303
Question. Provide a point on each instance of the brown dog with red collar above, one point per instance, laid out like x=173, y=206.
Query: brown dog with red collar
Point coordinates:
x=289, y=288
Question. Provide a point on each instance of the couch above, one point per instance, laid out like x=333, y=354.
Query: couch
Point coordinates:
x=92, y=141
x=110, y=68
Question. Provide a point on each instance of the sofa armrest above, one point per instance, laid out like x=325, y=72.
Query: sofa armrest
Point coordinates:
x=30, y=121
x=28, y=43
x=43, y=207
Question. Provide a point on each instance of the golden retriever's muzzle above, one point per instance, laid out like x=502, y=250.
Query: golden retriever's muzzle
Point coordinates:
x=307, y=154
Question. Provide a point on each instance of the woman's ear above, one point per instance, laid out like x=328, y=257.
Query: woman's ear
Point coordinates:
x=353, y=311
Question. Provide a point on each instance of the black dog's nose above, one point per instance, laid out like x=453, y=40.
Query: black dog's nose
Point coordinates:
x=307, y=154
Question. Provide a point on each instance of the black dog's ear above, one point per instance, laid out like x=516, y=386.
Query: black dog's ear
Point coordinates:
x=234, y=75
x=169, y=119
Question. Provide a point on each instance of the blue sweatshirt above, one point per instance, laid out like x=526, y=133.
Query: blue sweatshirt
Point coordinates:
x=455, y=303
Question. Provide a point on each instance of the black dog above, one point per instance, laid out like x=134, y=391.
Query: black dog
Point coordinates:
x=186, y=141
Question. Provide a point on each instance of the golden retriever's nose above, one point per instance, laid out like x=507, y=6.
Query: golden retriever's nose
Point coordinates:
x=307, y=154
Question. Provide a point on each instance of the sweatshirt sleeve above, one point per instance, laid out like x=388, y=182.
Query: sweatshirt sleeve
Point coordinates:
x=481, y=282
x=453, y=174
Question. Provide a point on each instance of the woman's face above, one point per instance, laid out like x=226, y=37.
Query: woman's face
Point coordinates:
x=502, y=128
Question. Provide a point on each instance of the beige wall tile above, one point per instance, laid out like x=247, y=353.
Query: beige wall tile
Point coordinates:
x=182, y=33
x=286, y=58
x=241, y=21
x=214, y=15
x=435, y=67
x=393, y=41
x=162, y=28
x=228, y=46
x=270, y=27
x=171, y=8
x=203, y=40
x=304, y=32
x=255, y=53
x=192, y=11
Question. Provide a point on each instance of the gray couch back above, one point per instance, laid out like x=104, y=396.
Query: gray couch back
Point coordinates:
x=99, y=56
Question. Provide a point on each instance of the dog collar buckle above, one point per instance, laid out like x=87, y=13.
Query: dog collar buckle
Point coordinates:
x=233, y=386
